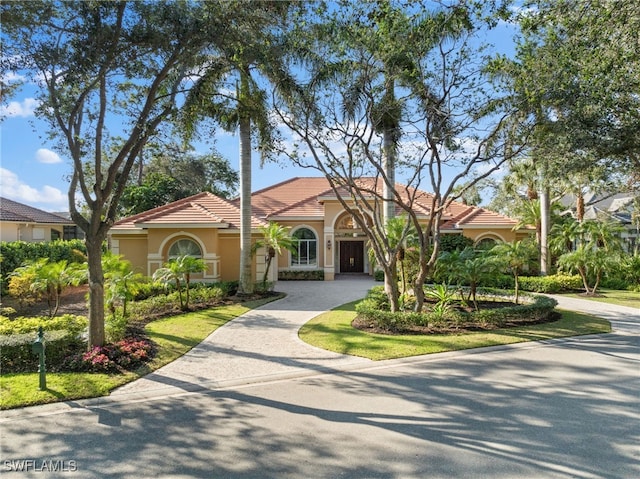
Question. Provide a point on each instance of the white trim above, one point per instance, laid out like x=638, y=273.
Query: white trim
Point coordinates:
x=116, y=231
x=306, y=266
x=490, y=235
x=483, y=227
x=182, y=225
x=182, y=233
x=295, y=218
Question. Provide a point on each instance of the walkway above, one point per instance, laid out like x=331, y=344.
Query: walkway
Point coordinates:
x=259, y=345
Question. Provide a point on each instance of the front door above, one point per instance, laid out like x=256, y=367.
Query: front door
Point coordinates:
x=352, y=256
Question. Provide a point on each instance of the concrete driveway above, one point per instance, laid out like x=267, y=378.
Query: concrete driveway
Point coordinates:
x=254, y=401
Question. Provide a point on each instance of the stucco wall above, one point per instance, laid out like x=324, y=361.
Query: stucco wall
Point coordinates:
x=8, y=231
x=25, y=232
x=134, y=249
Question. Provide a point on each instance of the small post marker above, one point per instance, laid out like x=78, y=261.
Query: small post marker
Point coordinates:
x=38, y=348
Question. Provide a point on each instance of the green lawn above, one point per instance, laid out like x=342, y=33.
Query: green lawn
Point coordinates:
x=333, y=331
x=613, y=296
x=174, y=336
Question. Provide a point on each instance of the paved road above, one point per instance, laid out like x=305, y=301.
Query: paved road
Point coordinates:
x=558, y=409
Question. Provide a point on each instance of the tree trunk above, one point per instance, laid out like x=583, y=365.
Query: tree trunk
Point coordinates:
x=96, y=293
x=545, y=219
x=245, y=284
x=580, y=207
x=389, y=165
x=391, y=287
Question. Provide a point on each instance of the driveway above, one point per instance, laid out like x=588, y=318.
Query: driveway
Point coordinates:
x=254, y=401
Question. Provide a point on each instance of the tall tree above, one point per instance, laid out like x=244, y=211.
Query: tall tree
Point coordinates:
x=104, y=63
x=231, y=90
x=446, y=120
x=172, y=174
x=577, y=77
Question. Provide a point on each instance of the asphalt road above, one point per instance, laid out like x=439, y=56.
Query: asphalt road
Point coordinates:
x=558, y=409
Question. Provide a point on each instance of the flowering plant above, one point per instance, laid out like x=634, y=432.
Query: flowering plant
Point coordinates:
x=128, y=353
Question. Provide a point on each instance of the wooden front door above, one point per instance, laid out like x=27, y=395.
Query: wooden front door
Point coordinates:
x=352, y=256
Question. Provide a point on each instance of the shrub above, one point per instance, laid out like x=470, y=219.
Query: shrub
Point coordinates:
x=538, y=309
x=454, y=242
x=126, y=354
x=21, y=325
x=556, y=283
x=615, y=283
x=20, y=288
x=384, y=319
x=500, y=281
x=16, y=354
x=207, y=293
x=301, y=275
x=379, y=297
x=378, y=275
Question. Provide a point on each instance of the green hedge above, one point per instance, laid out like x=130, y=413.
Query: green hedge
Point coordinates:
x=15, y=253
x=556, y=283
x=17, y=356
x=539, y=309
x=399, y=321
x=301, y=275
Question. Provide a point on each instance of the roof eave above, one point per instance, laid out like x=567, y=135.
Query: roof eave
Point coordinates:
x=182, y=225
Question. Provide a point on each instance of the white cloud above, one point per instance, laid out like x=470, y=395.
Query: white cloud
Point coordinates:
x=47, y=156
x=47, y=198
x=23, y=109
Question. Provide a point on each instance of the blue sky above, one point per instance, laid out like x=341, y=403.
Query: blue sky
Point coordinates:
x=33, y=173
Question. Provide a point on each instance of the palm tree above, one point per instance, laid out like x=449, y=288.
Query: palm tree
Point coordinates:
x=179, y=271
x=565, y=235
x=52, y=278
x=275, y=239
x=590, y=263
x=253, y=44
x=121, y=282
x=515, y=257
x=401, y=235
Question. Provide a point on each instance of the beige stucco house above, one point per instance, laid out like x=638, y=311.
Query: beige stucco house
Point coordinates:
x=328, y=240
x=20, y=222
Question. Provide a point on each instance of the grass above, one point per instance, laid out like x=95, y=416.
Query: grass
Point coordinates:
x=333, y=331
x=174, y=336
x=613, y=296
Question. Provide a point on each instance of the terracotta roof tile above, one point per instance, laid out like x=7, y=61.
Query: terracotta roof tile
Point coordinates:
x=203, y=208
x=299, y=197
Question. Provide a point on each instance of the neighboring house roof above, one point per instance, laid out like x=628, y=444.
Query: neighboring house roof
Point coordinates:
x=297, y=198
x=20, y=213
x=197, y=211
x=617, y=206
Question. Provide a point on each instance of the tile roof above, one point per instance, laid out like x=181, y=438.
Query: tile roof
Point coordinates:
x=297, y=198
x=473, y=216
x=13, y=211
x=201, y=209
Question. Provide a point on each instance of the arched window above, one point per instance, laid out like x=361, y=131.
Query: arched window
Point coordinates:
x=184, y=247
x=306, y=248
x=486, y=243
